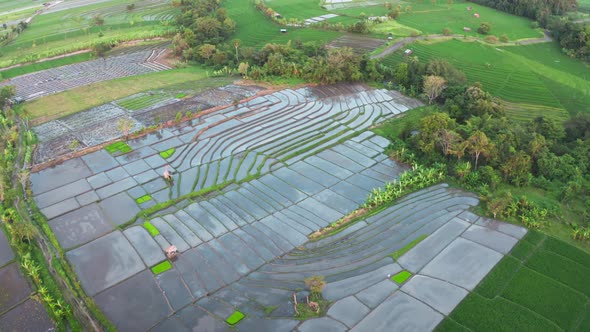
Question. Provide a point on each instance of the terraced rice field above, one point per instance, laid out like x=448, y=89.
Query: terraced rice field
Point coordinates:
x=67, y=27
x=255, y=30
x=527, y=291
x=543, y=77
x=302, y=153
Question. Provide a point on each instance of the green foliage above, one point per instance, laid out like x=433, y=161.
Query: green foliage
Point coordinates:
x=161, y=267
x=151, y=228
x=167, y=153
x=143, y=100
x=143, y=199
x=304, y=311
x=118, y=147
x=315, y=283
x=399, y=253
x=401, y=277
x=484, y=28
x=235, y=318
x=417, y=178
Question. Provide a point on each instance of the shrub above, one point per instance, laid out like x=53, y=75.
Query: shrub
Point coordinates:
x=315, y=283
x=534, y=25
x=178, y=117
x=484, y=28
x=492, y=39
x=417, y=178
x=504, y=38
x=446, y=31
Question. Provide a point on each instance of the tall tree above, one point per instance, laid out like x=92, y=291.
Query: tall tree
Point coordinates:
x=433, y=86
x=478, y=144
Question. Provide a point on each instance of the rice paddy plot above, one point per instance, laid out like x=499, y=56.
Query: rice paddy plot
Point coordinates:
x=534, y=79
x=432, y=19
x=255, y=30
x=71, y=29
x=143, y=100
x=541, y=286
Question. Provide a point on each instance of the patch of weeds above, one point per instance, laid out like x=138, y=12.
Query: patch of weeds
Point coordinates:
x=235, y=318
x=305, y=311
x=168, y=153
x=151, y=228
x=401, y=277
x=399, y=253
x=161, y=267
x=120, y=147
x=143, y=199
x=269, y=309
x=180, y=95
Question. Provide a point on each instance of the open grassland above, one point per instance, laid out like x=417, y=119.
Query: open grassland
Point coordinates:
x=55, y=106
x=432, y=19
x=543, y=285
x=304, y=9
x=68, y=30
x=255, y=30
x=534, y=80
x=17, y=5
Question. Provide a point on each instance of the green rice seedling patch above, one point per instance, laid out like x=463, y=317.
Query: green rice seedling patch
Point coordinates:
x=495, y=282
x=545, y=296
x=546, y=291
x=118, y=147
x=399, y=253
x=143, y=100
x=535, y=238
x=161, y=267
x=143, y=199
x=151, y=228
x=561, y=269
x=522, y=250
x=168, y=153
x=449, y=325
x=401, y=277
x=235, y=318
x=575, y=254
x=180, y=95
x=480, y=314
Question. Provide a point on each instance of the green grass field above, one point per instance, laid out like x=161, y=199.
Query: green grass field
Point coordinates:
x=193, y=79
x=534, y=79
x=141, y=101
x=255, y=30
x=432, y=19
x=65, y=31
x=542, y=285
x=34, y=67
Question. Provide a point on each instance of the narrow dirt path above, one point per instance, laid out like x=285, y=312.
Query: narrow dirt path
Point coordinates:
x=400, y=44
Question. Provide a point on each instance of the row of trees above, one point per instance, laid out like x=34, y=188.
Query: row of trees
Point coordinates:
x=539, y=10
